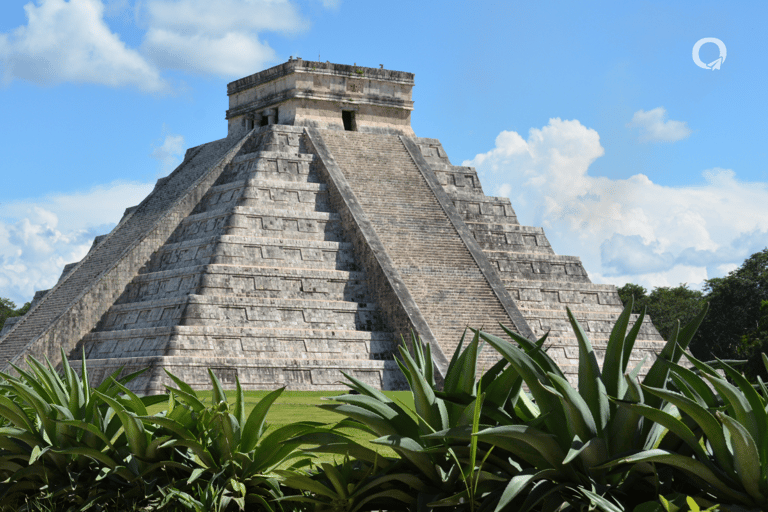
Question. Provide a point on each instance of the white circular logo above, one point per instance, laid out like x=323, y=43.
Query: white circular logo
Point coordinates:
x=712, y=65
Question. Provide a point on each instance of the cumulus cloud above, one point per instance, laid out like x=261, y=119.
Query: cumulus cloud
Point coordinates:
x=39, y=236
x=70, y=42
x=169, y=153
x=654, y=126
x=220, y=37
x=625, y=229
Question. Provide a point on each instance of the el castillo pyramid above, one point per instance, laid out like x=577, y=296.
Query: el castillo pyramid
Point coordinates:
x=306, y=243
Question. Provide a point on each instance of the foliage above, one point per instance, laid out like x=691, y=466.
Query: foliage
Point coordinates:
x=59, y=435
x=433, y=440
x=665, y=305
x=565, y=449
x=8, y=309
x=735, y=302
x=724, y=424
x=520, y=436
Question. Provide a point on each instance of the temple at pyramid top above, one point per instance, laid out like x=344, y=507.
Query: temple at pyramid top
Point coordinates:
x=322, y=95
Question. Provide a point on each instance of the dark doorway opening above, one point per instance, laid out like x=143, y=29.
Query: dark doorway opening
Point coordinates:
x=348, y=116
x=264, y=121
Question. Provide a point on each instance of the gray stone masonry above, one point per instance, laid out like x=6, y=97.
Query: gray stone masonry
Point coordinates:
x=306, y=244
x=541, y=283
x=257, y=282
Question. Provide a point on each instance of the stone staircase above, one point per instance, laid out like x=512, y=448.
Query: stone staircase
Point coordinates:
x=445, y=281
x=257, y=282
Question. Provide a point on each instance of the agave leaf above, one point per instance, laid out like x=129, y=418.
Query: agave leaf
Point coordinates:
x=519, y=482
x=390, y=412
x=579, y=416
x=174, y=426
x=13, y=413
x=629, y=340
x=42, y=409
x=455, y=366
x=427, y=405
x=218, y=392
x=756, y=403
x=541, y=490
x=693, y=386
x=137, y=405
x=534, y=377
x=410, y=480
x=304, y=483
x=737, y=403
x=328, y=442
x=704, y=419
x=613, y=363
x=672, y=424
x=745, y=456
x=134, y=429
x=366, y=389
x=672, y=351
x=390, y=494
x=337, y=481
x=254, y=426
x=533, y=349
x=693, y=467
x=591, y=386
x=239, y=403
x=600, y=502
x=518, y=438
x=411, y=450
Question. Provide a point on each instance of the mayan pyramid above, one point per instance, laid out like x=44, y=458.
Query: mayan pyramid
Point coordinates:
x=306, y=243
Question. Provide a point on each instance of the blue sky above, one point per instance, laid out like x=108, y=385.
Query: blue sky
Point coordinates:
x=592, y=117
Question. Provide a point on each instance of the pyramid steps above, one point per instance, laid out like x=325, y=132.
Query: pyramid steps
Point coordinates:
x=258, y=276
x=424, y=245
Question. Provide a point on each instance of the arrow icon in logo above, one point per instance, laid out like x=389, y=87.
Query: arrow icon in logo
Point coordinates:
x=712, y=65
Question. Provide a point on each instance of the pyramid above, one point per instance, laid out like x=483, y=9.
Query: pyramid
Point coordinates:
x=307, y=243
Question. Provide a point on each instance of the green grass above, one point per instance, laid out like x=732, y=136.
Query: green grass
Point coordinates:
x=293, y=406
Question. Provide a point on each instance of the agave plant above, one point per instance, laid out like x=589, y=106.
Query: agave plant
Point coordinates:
x=455, y=472
x=351, y=486
x=725, y=426
x=60, y=435
x=218, y=442
x=564, y=448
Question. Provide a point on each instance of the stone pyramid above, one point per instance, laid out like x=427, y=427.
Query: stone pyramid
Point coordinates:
x=307, y=243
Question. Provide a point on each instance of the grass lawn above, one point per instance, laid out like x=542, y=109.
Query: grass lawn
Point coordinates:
x=293, y=406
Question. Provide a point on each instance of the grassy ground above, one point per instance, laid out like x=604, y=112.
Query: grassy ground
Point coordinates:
x=293, y=406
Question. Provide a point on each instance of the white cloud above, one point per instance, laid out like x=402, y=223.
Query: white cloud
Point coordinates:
x=654, y=126
x=39, y=236
x=331, y=4
x=169, y=153
x=627, y=229
x=220, y=37
x=70, y=42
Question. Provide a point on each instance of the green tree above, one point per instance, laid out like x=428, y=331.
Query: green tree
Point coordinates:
x=665, y=305
x=731, y=329
x=8, y=309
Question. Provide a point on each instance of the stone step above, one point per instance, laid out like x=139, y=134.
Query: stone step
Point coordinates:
x=249, y=281
x=253, y=374
x=262, y=343
x=285, y=195
x=550, y=294
x=284, y=223
x=261, y=221
x=245, y=250
x=243, y=311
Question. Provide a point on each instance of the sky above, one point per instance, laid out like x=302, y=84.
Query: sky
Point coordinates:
x=592, y=117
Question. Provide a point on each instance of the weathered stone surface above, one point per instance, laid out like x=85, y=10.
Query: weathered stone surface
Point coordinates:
x=305, y=244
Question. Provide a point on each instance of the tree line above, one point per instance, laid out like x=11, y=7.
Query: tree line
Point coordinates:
x=8, y=309
x=736, y=326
